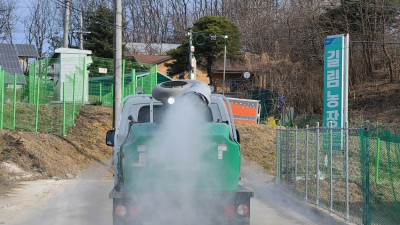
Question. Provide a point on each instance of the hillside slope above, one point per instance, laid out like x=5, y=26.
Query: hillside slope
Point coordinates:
x=26, y=155
x=258, y=144
x=375, y=99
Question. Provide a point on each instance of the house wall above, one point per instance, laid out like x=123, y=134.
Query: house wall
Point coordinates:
x=162, y=68
x=218, y=77
x=201, y=73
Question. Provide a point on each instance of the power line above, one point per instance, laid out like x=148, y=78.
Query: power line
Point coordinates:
x=107, y=23
x=295, y=39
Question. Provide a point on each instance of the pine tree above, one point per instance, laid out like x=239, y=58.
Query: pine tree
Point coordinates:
x=207, y=49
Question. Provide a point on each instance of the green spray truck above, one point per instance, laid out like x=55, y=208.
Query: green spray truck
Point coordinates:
x=177, y=175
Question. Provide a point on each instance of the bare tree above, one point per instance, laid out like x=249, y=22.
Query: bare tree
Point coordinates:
x=39, y=24
x=8, y=19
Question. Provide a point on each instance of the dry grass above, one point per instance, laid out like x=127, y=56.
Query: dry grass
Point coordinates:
x=45, y=154
x=258, y=143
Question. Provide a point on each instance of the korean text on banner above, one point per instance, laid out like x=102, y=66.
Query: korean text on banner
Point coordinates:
x=335, y=72
x=333, y=81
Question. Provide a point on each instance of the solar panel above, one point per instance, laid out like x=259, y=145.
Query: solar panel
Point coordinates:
x=9, y=60
x=24, y=50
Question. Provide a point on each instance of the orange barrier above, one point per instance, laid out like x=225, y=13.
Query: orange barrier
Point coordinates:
x=244, y=110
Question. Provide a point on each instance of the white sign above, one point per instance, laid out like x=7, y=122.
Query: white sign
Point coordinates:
x=102, y=70
x=222, y=147
x=220, y=154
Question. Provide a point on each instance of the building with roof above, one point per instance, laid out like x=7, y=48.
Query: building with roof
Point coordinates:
x=70, y=61
x=158, y=60
x=161, y=60
x=234, y=73
x=12, y=59
x=155, y=53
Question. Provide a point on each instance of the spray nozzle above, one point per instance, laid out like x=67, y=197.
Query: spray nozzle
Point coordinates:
x=131, y=122
x=130, y=118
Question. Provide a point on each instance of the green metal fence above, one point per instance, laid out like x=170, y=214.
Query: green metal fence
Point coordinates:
x=381, y=176
x=52, y=93
x=133, y=75
x=359, y=182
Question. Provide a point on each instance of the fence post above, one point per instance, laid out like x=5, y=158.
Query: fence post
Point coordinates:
x=277, y=179
x=280, y=156
x=346, y=133
x=330, y=167
x=317, y=166
x=32, y=78
x=123, y=79
x=295, y=160
x=154, y=79
x=1, y=97
x=37, y=104
x=84, y=81
x=134, y=81
x=378, y=143
x=73, y=100
x=287, y=158
x=142, y=84
x=63, y=124
x=306, y=176
x=15, y=101
x=45, y=86
x=367, y=199
x=100, y=92
x=112, y=91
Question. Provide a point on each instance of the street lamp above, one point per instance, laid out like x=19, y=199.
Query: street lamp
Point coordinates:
x=223, y=74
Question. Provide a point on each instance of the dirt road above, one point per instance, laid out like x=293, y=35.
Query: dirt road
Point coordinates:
x=85, y=201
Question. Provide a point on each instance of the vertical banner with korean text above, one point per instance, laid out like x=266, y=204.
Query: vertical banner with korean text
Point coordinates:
x=335, y=85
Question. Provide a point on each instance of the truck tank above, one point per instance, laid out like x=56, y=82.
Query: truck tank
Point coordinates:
x=155, y=160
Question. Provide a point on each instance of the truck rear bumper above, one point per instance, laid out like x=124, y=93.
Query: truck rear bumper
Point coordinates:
x=241, y=192
x=182, y=208
x=180, y=221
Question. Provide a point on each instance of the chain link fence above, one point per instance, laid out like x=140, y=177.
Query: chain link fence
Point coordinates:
x=52, y=93
x=101, y=79
x=348, y=171
x=380, y=166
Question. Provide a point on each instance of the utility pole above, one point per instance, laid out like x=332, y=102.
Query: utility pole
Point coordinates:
x=81, y=32
x=66, y=23
x=117, y=58
x=192, y=59
x=223, y=76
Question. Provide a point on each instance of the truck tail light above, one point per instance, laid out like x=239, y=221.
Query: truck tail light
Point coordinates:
x=120, y=210
x=229, y=209
x=242, y=209
x=135, y=210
